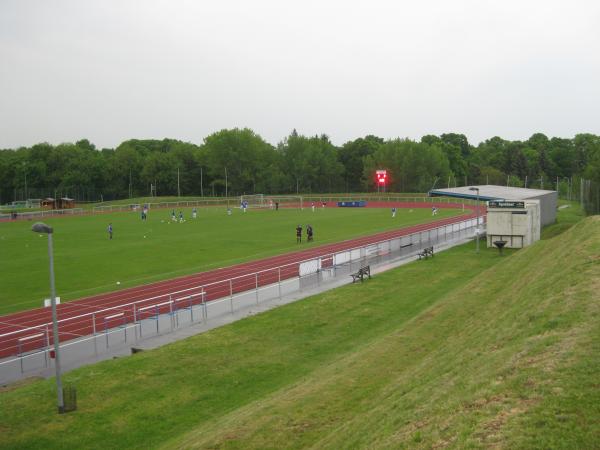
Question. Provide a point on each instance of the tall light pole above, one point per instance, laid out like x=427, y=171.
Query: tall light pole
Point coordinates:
x=25, y=173
x=40, y=227
x=226, y=191
x=201, y=184
x=477, y=228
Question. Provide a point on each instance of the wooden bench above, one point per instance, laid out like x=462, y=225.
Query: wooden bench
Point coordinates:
x=428, y=251
x=366, y=270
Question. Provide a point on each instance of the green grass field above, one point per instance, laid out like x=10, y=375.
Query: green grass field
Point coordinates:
x=141, y=252
x=458, y=351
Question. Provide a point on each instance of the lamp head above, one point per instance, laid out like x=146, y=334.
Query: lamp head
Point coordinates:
x=474, y=189
x=41, y=227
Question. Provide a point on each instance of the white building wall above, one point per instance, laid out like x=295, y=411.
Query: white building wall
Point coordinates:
x=519, y=227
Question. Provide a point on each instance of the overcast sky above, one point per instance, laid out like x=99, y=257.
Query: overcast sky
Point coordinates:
x=114, y=70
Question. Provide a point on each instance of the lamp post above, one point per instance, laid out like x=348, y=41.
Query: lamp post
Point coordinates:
x=40, y=227
x=25, y=173
x=477, y=228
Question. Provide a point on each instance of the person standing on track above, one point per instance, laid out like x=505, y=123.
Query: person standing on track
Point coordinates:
x=299, y=234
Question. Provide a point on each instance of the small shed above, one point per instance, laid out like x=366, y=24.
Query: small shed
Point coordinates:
x=66, y=203
x=48, y=203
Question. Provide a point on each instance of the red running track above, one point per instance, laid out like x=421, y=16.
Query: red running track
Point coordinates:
x=28, y=330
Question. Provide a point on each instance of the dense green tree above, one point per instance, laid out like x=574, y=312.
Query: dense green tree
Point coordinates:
x=351, y=155
x=311, y=163
x=242, y=153
x=458, y=140
x=298, y=164
x=412, y=166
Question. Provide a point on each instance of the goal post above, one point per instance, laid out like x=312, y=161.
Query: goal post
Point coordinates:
x=270, y=201
x=288, y=201
x=253, y=201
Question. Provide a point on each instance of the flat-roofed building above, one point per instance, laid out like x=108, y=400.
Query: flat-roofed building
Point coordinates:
x=514, y=215
x=548, y=199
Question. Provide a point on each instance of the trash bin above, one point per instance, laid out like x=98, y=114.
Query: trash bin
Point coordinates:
x=70, y=398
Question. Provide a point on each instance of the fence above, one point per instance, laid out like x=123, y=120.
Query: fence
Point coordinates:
x=292, y=199
x=46, y=213
x=96, y=332
x=590, y=196
x=233, y=201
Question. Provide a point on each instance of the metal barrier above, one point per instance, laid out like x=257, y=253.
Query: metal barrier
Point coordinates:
x=92, y=333
x=45, y=213
x=305, y=199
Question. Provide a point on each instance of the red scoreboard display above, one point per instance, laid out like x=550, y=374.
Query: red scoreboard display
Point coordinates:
x=381, y=177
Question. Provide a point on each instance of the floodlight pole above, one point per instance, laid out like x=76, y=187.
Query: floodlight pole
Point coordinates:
x=43, y=228
x=226, y=191
x=477, y=227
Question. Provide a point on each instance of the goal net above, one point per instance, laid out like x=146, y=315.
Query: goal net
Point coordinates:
x=287, y=201
x=273, y=201
x=253, y=201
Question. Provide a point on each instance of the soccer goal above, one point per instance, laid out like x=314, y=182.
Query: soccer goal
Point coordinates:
x=287, y=201
x=272, y=202
x=254, y=201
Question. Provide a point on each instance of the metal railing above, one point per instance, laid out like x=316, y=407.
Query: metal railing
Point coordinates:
x=91, y=333
x=44, y=213
x=233, y=201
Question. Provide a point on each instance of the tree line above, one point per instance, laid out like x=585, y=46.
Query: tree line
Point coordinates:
x=239, y=161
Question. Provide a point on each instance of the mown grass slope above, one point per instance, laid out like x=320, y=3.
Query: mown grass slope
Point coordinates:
x=461, y=350
x=510, y=360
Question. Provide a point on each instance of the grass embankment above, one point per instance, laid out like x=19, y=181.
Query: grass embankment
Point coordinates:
x=460, y=350
x=144, y=251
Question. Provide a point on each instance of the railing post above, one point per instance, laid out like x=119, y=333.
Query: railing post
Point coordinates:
x=94, y=330
x=135, y=328
x=171, y=310
x=204, y=309
x=231, y=295
x=279, y=281
x=157, y=319
x=106, y=331
x=192, y=308
x=20, y=353
x=47, y=345
x=256, y=282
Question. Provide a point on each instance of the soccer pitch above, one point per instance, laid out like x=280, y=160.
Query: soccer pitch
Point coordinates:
x=87, y=262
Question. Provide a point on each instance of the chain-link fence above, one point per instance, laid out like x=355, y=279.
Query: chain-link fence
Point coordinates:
x=590, y=196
